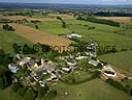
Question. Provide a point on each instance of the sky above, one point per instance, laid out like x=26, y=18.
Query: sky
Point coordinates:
x=72, y=1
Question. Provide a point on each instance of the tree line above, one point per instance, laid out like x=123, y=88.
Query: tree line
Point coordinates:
x=97, y=20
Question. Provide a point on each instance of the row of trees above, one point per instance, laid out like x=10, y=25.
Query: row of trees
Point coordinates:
x=5, y=78
x=29, y=93
x=5, y=58
x=63, y=22
x=40, y=50
x=29, y=13
x=5, y=75
x=106, y=49
x=113, y=14
x=118, y=85
x=30, y=49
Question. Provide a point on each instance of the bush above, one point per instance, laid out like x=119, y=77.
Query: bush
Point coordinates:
x=42, y=91
x=8, y=27
x=35, y=21
x=16, y=86
x=29, y=94
x=106, y=49
x=91, y=28
x=117, y=85
x=5, y=79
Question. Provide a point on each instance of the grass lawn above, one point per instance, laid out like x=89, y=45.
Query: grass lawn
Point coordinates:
x=91, y=90
x=7, y=38
x=122, y=60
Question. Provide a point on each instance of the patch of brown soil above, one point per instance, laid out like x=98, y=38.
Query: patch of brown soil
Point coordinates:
x=36, y=36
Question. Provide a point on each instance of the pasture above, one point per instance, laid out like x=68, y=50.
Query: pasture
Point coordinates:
x=104, y=34
x=91, y=90
x=8, y=94
x=121, y=60
x=47, y=33
x=7, y=39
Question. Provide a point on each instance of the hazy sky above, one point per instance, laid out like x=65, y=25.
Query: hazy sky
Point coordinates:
x=73, y=1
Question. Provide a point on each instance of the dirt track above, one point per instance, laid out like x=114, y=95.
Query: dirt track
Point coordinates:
x=36, y=36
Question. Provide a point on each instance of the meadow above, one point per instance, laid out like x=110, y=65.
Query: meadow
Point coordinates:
x=121, y=60
x=7, y=39
x=8, y=94
x=104, y=34
x=91, y=90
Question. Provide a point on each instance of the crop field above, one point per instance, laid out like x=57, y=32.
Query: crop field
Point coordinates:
x=122, y=60
x=37, y=36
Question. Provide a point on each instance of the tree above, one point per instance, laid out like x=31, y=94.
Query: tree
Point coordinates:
x=1, y=82
x=8, y=27
x=42, y=91
x=29, y=94
x=2, y=55
x=36, y=26
x=83, y=64
x=5, y=81
x=16, y=86
x=21, y=91
x=59, y=18
x=37, y=47
x=26, y=49
x=17, y=48
x=63, y=22
x=51, y=94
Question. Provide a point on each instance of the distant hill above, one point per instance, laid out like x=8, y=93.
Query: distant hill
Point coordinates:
x=58, y=6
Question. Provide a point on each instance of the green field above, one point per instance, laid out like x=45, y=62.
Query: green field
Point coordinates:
x=8, y=94
x=104, y=34
x=122, y=60
x=91, y=90
x=7, y=38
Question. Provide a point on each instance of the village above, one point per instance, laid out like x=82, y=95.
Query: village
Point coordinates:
x=32, y=70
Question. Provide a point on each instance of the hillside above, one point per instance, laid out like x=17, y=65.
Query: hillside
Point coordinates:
x=104, y=34
x=122, y=60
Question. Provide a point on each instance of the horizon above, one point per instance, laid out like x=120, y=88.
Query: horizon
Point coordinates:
x=85, y=2
x=66, y=3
